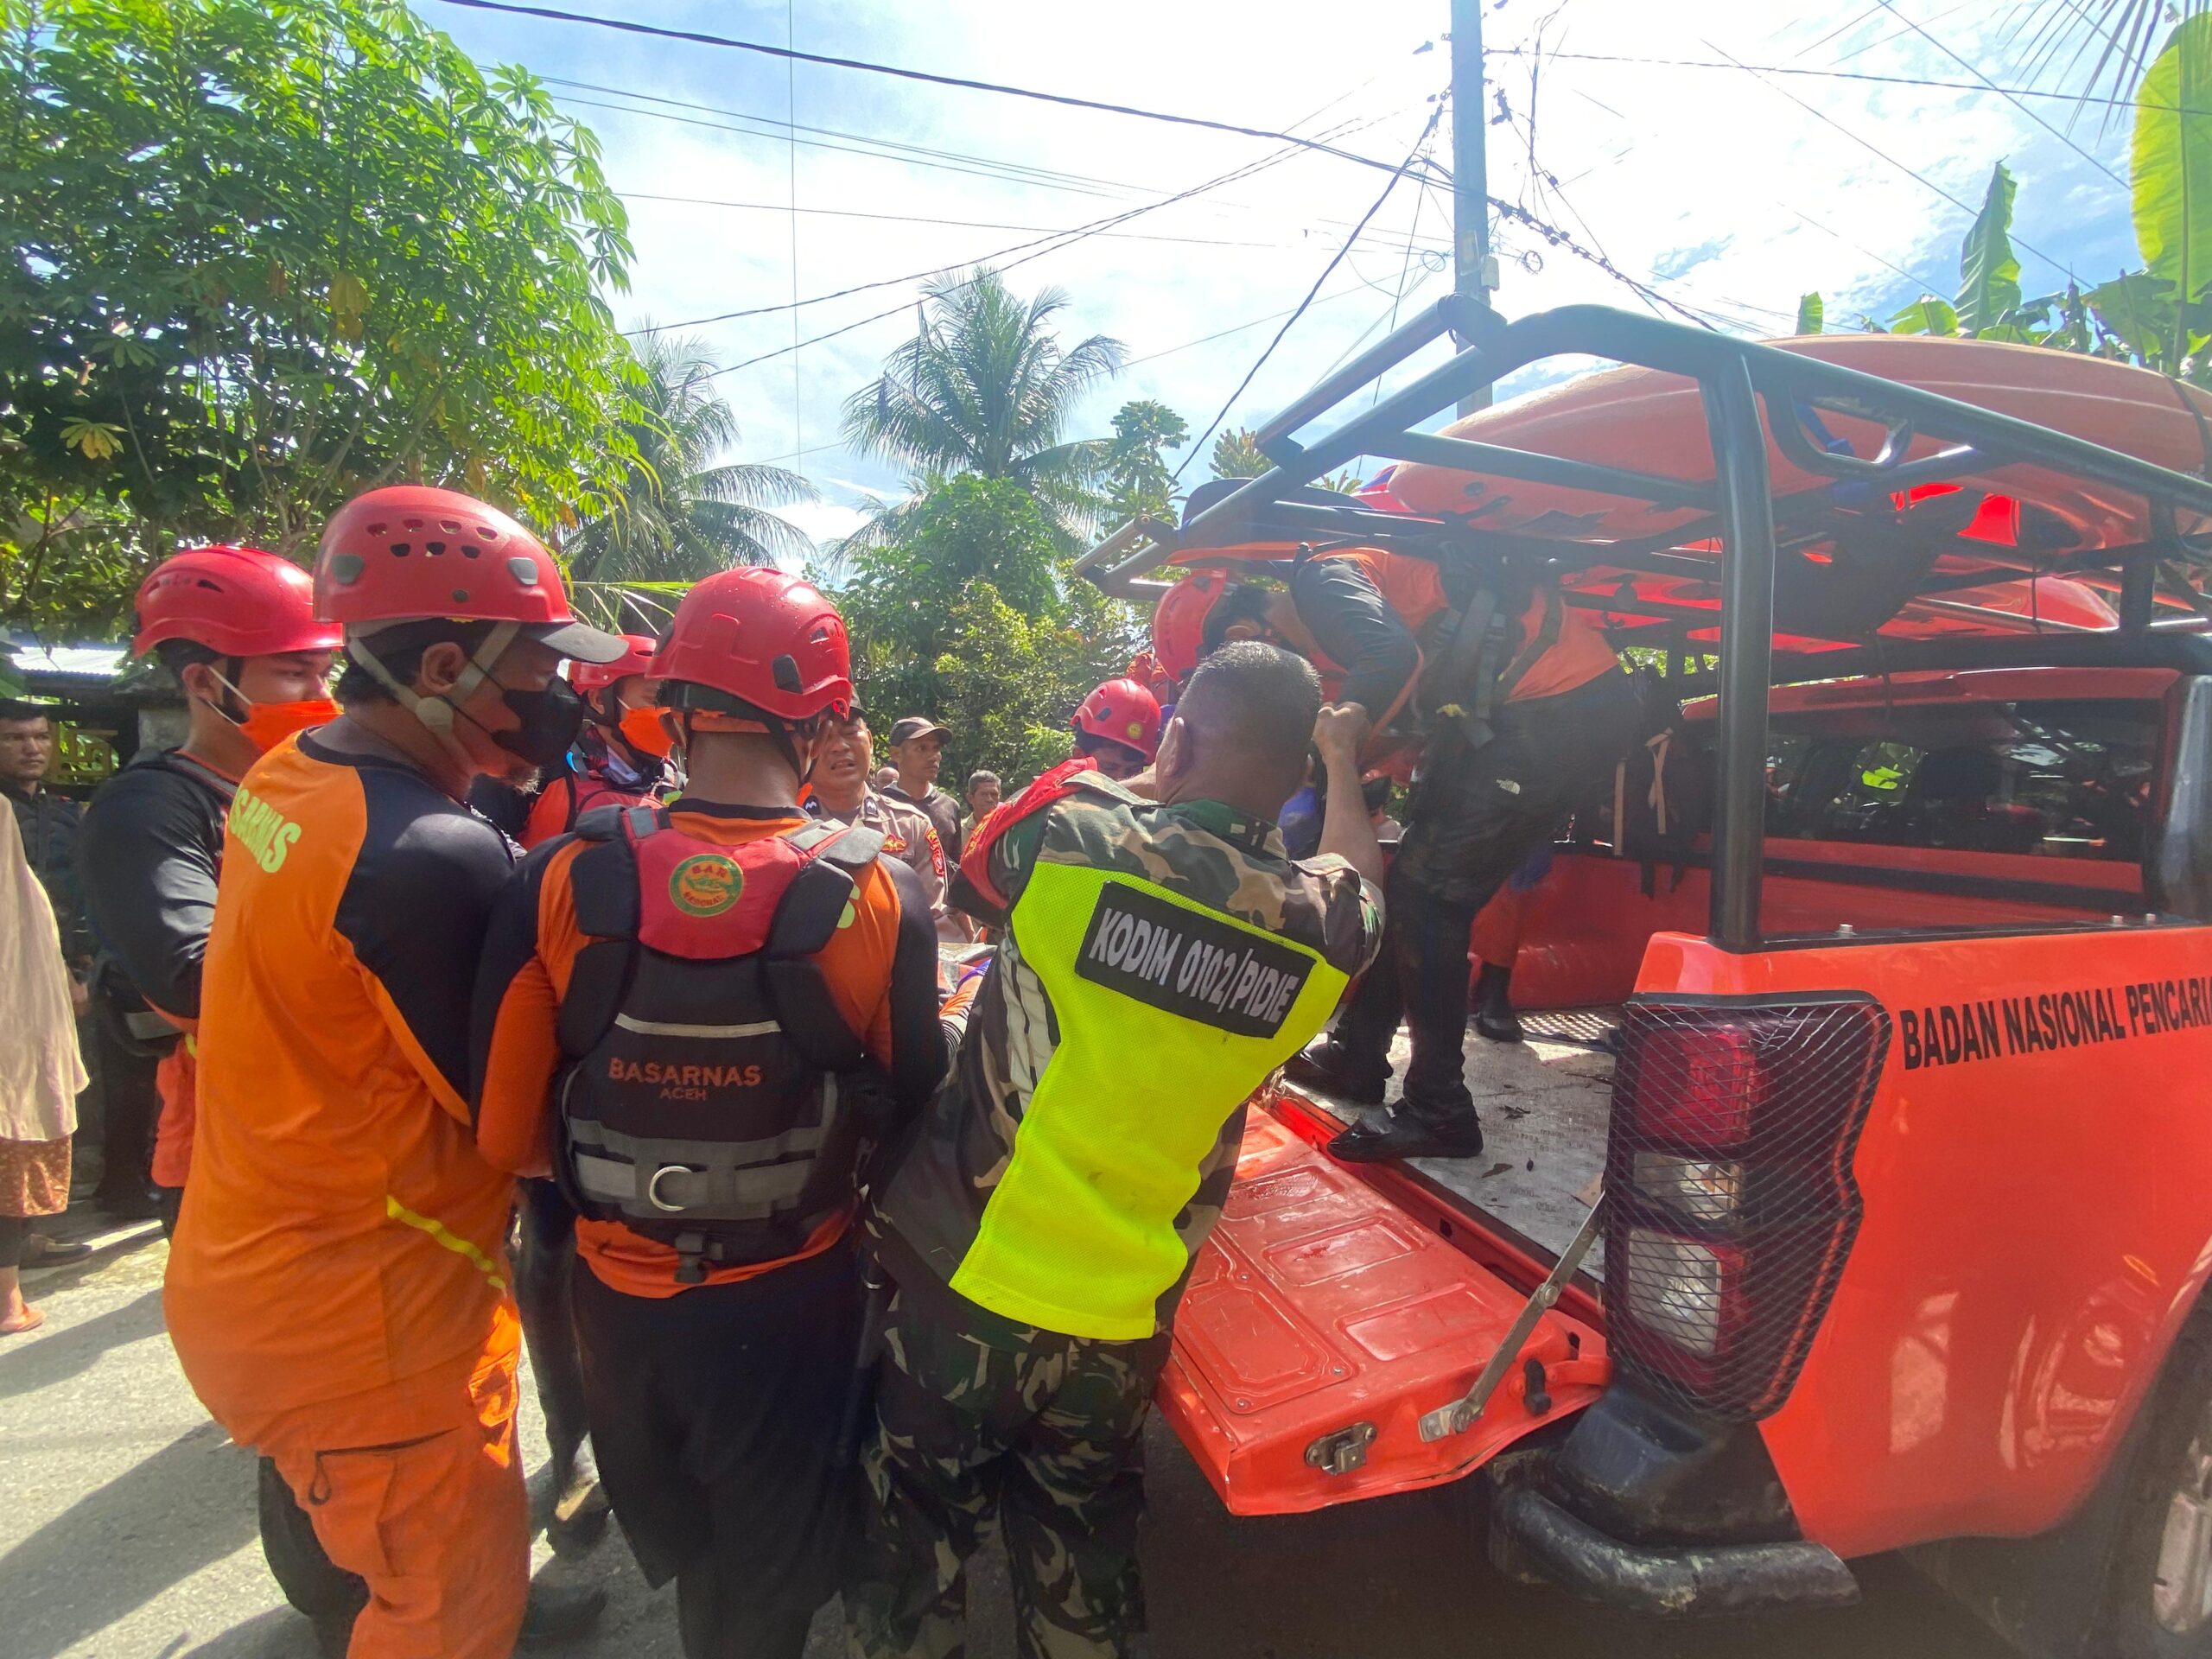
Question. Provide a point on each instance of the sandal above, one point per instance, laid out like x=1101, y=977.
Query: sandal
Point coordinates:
x=32, y=1319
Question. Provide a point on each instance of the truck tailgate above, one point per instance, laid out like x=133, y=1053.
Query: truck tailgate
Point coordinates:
x=1322, y=1320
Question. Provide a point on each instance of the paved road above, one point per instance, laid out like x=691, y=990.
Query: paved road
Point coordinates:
x=126, y=1532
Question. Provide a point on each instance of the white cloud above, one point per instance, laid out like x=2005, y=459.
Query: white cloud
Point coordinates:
x=824, y=521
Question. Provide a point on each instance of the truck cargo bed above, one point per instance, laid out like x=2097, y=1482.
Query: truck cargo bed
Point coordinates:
x=1543, y=1104
x=1336, y=1304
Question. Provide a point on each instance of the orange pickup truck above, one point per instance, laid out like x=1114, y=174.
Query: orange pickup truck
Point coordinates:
x=1863, y=1205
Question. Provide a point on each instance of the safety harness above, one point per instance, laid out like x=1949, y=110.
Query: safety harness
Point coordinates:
x=713, y=1098
x=1476, y=667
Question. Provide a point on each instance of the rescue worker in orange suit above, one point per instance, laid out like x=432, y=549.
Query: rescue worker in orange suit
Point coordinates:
x=1521, y=721
x=1118, y=726
x=620, y=755
x=619, y=759
x=337, y=1292
x=238, y=629
x=699, y=1018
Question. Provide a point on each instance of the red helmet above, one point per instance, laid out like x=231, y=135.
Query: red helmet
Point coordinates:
x=597, y=677
x=409, y=551
x=238, y=601
x=1122, y=712
x=763, y=636
x=1179, y=621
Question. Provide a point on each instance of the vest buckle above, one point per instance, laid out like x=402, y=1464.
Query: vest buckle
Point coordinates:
x=691, y=1264
x=652, y=1188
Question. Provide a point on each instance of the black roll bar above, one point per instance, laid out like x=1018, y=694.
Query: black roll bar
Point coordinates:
x=1734, y=379
x=1732, y=415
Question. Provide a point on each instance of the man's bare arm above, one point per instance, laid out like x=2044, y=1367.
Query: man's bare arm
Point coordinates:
x=1346, y=830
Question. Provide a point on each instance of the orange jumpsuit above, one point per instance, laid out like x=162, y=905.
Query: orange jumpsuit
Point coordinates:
x=338, y=1292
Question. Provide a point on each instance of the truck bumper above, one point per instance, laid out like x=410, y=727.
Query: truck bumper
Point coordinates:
x=1684, y=1581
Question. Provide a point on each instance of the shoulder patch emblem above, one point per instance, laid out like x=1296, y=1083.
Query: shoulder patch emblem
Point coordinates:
x=706, y=884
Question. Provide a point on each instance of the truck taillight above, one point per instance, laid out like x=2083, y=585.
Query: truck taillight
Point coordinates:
x=1728, y=1178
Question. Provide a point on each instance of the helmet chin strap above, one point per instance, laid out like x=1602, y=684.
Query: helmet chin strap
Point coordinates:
x=437, y=713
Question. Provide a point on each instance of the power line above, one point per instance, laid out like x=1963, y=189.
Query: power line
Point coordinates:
x=791, y=108
x=1080, y=234
x=992, y=173
x=1876, y=150
x=1880, y=40
x=1032, y=178
x=930, y=218
x=1840, y=28
x=1043, y=175
x=1548, y=188
x=1238, y=328
x=1560, y=238
x=1788, y=207
x=1819, y=74
x=1075, y=234
x=628, y=26
x=2011, y=98
x=1335, y=259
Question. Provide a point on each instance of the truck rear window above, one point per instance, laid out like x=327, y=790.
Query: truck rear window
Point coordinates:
x=2063, y=779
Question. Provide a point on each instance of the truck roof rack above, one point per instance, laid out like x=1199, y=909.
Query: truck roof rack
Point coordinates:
x=1737, y=510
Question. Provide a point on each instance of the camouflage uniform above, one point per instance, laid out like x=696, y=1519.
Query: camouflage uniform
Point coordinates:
x=977, y=1409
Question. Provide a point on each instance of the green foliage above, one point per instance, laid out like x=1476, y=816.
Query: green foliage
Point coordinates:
x=1989, y=274
x=2134, y=318
x=680, y=513
x=1810, y=314
x=2169, y=170
x=269, y=253
x=1926, y=315
x=986, y=387
x=1137, y=481
x=971, y=615
x=1238, y=454
x=2115, y=39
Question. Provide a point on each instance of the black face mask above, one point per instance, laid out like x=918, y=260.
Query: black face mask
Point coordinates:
x=550, y=720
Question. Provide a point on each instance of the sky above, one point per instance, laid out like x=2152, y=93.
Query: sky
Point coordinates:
x=1724, y=192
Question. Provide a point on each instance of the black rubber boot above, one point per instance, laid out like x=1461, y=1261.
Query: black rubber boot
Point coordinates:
x=580, y=1509
x=1408, y=1132
x=1328, y=1068
x=1493, y=1000
x=560, y=1612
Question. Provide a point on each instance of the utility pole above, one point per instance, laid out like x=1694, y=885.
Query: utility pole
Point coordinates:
x=1474, y=270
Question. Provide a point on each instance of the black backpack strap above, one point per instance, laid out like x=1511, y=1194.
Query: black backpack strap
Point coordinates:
x=603, y=887
x=806, y=920
x=815, y=902
x=1547, y=636
x=600, y=823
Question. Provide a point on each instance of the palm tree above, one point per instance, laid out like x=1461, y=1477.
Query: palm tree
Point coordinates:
x=985, y=387
x=2103, y=48
x=681, y=514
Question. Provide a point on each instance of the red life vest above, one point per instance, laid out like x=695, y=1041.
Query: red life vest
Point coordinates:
x=712, y=1096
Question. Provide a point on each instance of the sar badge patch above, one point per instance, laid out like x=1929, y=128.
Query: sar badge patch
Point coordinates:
x=706, y=884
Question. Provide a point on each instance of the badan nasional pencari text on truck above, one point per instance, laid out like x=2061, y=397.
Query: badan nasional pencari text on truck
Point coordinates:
x=1899, y=925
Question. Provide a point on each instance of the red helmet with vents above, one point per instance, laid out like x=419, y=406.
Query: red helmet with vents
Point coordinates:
x=1122, y=712
x=237, y=601
x=764, y=636
x=409, y=551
